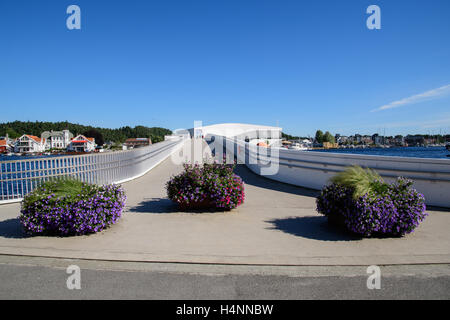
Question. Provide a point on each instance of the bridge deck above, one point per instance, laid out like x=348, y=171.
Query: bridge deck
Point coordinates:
x=277, y=224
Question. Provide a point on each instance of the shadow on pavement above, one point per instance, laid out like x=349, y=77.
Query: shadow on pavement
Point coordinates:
x=155, y=205
x=12, y=228
x=164, y=205
x=316, y=228
x=253, y=179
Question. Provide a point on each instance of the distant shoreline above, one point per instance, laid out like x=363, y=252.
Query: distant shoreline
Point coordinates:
x=417, y=152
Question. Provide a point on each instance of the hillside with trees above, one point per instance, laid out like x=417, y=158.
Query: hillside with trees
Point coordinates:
x=17, y=128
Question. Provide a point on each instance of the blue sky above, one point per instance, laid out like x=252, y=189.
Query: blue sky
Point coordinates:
x=305, y=65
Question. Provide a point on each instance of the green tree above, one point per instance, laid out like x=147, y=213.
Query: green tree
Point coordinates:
x=319, y=136
x=328, y=137
x=97, y=135
x=11, y=133
x=17, y=128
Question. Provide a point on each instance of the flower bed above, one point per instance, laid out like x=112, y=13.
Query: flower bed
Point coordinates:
x=369, y=207
x=69, y=207
x=210, y=186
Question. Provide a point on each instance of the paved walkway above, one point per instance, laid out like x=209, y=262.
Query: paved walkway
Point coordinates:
x=46, y=278
x=277, y=225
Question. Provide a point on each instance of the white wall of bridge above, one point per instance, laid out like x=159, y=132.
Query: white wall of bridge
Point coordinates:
x=314, y=169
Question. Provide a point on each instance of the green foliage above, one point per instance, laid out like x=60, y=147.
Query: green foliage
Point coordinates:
x=62, y=187
x=10, y=132
x=319, y=136
x=97, y=135
x=361, y=180
x=288, y=136
x=17, y=128
x=328, y=137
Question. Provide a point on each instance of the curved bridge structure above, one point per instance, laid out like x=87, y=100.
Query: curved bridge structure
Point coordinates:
x=314, y=169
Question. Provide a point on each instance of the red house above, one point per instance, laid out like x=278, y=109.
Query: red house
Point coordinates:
x=4, y=146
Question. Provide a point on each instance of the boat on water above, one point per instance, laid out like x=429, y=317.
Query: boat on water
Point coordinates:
x=298, y=146
x=447, y=146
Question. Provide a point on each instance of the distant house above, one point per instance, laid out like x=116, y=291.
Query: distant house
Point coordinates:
x=366, y=140
x=5, y=144
x=137, y=142
x=330, y=145
x=342, y=139
x=377, y=139
x=81, y=144
x=415, y=140
x=57, y=139
x=28, y=143
x=4, y=147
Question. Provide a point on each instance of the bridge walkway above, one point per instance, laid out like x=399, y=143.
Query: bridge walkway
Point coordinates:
x=277, y=225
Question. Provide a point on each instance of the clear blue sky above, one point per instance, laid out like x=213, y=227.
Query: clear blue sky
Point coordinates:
x=305, y=64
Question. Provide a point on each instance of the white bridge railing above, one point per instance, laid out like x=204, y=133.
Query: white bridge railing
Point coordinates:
x=18, y=177
x=314, y=169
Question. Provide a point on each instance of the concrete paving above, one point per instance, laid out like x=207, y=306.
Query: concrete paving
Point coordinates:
x=277, y=225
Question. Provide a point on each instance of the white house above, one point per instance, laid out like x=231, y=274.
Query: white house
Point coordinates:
x=57, y=139
x=28, y=143
x=81, y=144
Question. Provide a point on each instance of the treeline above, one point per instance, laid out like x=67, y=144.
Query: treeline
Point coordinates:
x=16, y=129
x=289, y=137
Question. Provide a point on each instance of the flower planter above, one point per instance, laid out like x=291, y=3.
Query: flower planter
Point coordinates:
x=216, y=184
x=196, y=205
x=94, y=209
x=396, y=211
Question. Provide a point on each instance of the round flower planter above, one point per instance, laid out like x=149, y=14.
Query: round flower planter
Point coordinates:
x=94, y=209
x=397, y=211
x=211, y=186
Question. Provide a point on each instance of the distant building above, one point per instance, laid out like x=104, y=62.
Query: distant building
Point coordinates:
x=399, y=140
x=137, y=142
x=430, y=140
x=57, y=139
x=5, y=144
x=337, y=137
x=28, y=143
x=342, y=140
x=414, y=140
x=330, y=145
x=81, y=144
x=4, y=147
x=366, y=140
x=377, y=139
